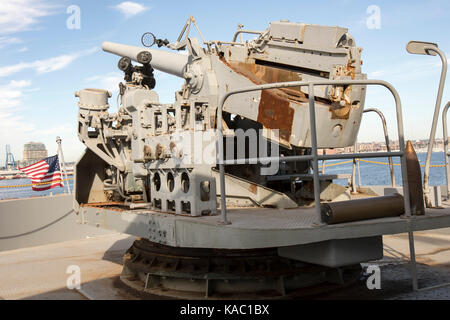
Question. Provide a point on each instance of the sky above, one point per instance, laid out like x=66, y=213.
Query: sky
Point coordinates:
x=50, y=49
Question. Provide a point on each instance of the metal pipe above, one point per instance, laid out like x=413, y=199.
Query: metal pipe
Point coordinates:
x=165, y=61
x=315, y=162
x=218, y=43
x=354, y=170
x=359, y=174
x=412, y=256
x=386, y=138
x=245, y=31
x=363, y=155
x=61, y=161
x=434, y=124
x=363, y=209
x=447, y=167
x=310, y=157
x=223, y=197
x=323, y=161
x=385, y=84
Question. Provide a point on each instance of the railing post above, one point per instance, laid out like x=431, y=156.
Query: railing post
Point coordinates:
x=354, y=191
x=324, y=152
x=314, y=157
x=63, y=163
x=223, y=198
x=312, y=120
x=386, y=139
x=445, y=136
x=434, y=124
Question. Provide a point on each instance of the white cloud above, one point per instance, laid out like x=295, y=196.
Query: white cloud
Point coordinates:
x=46, y=65
x=19, y=83
x=12, y=94
x=21, y=15
x=15, y=125
x=6, y=41
x=23, y=49
x=56, y=130
x=129, y=8
x=377, y=74
x=415, y=67
x=109, y=81
x=18, y=127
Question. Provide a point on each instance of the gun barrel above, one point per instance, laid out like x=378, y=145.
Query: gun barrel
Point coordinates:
x=169, y=62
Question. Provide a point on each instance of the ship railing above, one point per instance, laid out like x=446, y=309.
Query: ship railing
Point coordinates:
x=356, y=166
x=431, y=49
x=446, y=154
x=314, y=157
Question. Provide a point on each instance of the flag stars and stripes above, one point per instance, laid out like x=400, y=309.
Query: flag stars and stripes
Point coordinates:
x=44, y=174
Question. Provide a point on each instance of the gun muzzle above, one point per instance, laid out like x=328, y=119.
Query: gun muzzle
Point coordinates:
x=168, y=62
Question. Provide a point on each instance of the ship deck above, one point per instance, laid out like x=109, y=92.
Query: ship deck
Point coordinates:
x=40, y=272
x=59, y=241
x=251, y=228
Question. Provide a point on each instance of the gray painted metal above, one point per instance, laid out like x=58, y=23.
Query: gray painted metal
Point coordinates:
x=416, y=47
x=252, y=228
x=336, y=253
x=169, y=62
x=386, y=139
x=138, y=146
x=141, y=143
x=37, y=221
x=313, y=138
x=445, y=136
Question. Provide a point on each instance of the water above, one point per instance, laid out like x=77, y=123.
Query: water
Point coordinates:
x=26, y=192
x=375, y=174
x=371, y=174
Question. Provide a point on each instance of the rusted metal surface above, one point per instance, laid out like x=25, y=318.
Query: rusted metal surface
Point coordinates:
x=277, y=106
x=261, y=74
x=113, y=206
x=340, y=96
x=253, y=188
x=414, y=181
x=275, y=113
x=363, y=209
x=102, y=204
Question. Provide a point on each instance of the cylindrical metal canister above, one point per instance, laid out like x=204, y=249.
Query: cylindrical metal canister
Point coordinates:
x=363, y=209
x=93, y=99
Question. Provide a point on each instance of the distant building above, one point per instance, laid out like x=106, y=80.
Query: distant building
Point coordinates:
x=33, y=152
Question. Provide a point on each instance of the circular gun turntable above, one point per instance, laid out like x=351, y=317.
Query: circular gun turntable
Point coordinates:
x=190, y=273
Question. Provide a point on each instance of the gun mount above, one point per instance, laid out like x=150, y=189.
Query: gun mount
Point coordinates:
x=157, y=163
x=153, y=170
x=147, y=153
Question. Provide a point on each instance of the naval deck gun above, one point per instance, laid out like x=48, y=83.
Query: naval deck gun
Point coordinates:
x=245, y=129
x=151, y=139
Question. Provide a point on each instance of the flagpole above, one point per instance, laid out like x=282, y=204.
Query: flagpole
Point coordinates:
x=62, y=162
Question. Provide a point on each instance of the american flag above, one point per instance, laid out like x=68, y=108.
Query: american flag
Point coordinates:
x=44, y=174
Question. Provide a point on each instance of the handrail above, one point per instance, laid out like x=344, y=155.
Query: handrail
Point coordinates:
x=447, y=166
x=315, y=157
x=435, y=120
x=245, y=31
x=386, y=139
x=34, y=184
